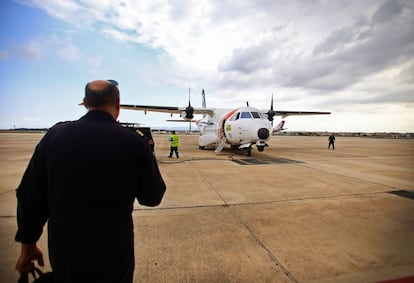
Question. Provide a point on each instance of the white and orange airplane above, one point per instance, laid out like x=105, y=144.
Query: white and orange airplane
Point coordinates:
x=241, y=127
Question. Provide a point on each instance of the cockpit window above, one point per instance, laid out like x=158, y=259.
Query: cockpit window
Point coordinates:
x=256, y=115
x=245, y=115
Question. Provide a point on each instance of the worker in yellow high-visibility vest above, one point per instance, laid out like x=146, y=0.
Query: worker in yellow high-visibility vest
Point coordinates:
x=174, y=144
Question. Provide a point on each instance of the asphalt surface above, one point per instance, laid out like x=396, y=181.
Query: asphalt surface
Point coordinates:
x=296, y=212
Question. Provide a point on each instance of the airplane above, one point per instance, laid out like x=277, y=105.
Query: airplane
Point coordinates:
x=240, y=127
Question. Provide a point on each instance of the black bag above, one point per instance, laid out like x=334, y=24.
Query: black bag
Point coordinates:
x=38, y=276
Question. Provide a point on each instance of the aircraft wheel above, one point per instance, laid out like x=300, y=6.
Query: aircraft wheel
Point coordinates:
x=260, y=148
x=249, y=152
x=201, y=147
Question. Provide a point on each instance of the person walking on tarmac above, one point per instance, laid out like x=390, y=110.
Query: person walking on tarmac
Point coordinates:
x=331, y=141
x=174, y=140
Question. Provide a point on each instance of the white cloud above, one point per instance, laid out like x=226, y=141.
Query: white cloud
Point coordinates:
x=67, y=10
x=69, y=53
x=95, y=62
x=31, y=50
x=322, y=52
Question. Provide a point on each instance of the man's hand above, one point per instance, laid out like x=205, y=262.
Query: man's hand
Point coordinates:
x=28, y=254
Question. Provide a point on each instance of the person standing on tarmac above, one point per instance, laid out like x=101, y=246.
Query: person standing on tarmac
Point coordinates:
x=174, y=140
x=83, y=179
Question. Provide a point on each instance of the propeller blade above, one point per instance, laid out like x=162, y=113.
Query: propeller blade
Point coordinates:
x=271, y=112
x=271, y=103
x=189, y=96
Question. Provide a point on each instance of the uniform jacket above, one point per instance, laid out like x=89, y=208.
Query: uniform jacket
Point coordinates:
x=83, y=179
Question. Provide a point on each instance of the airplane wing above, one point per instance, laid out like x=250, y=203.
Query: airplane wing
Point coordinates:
x=166, y=109
x=296, y=113
x=145, y=108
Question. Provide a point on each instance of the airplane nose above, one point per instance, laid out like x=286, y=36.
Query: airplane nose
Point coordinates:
x=263, y=133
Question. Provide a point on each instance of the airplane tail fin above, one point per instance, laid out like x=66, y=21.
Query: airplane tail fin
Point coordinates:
x=279, y=127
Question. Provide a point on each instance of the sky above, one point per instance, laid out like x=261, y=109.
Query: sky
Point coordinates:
x=350, y=57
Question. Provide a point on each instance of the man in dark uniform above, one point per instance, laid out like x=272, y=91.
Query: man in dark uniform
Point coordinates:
x=331, y=139
x=83, y=179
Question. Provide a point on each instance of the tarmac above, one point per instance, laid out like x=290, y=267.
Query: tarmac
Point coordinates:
x=296, y=212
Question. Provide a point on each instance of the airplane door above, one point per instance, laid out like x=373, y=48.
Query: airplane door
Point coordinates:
x=232, y=132
x=225, y=127
x=221, y=130
x=227, y=130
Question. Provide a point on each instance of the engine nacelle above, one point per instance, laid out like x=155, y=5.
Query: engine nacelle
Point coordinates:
x=188, y=113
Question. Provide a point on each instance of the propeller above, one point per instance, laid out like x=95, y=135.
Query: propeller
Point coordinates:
x=271, y=113
x=189, y=110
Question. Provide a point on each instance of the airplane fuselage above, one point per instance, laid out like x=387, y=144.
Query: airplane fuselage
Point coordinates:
x=240, y=127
